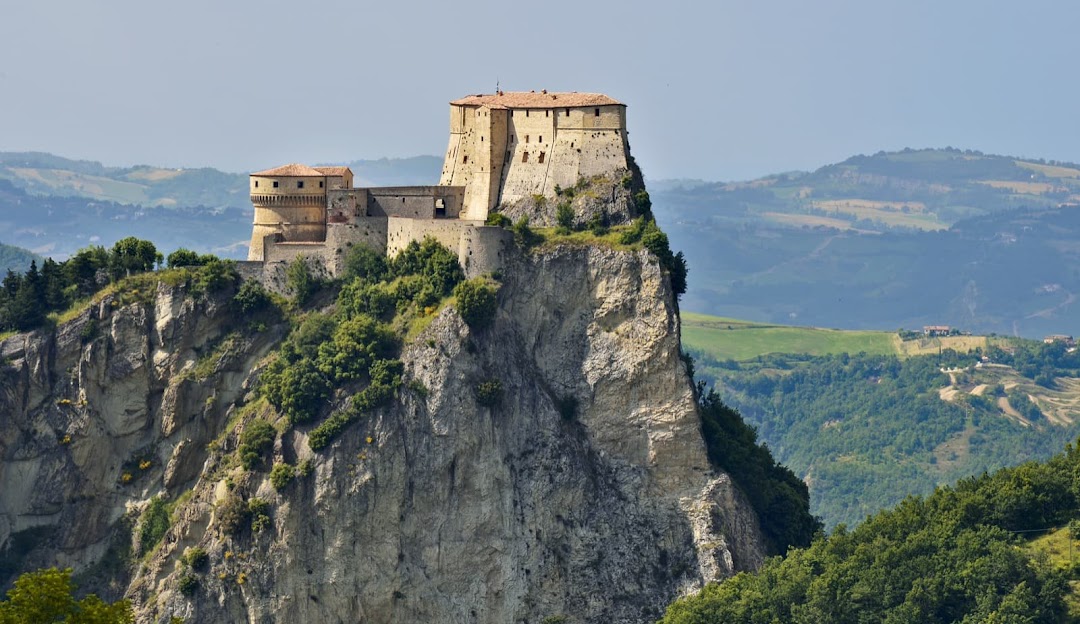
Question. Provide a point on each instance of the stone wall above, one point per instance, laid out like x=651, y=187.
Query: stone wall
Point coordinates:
x=417, y=202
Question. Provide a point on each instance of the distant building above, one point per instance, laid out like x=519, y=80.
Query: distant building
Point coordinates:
x=936, y=330
x=1068, y=340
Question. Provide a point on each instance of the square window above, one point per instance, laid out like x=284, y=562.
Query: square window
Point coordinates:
x=299, y=184
x=275, y=183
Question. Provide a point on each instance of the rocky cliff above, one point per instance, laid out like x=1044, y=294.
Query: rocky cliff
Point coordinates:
x=583, y=490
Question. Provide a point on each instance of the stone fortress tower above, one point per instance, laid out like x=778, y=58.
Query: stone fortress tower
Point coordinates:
x=507, y=146
x=503, y=147
x=290, y=202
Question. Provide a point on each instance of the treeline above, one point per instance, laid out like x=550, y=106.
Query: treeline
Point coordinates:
x=950, y=557
x=867, y=430
x=28, y=298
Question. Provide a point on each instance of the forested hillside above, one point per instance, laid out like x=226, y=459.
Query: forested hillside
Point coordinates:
x=16, y=259
x=864, y=431
x=960, y=555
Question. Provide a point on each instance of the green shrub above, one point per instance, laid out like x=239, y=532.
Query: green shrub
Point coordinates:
x=259, y=512
x=188, y=584
x=476, y=302
x=233, y=515
x=497, y=219
x=214, y=275
x=186, y=258
x=281, y=475
x=252, y=298
x=634, y=232
x=436, y=264
x=153, y=524
x=257, y=438
x=364, y=263
x=298, y=389
x=564, y=215
x=195, y=558
x=360, y=297
x=489, y=393
x=300, y=281
x=599, y=223
x=643, y=203
x=524, y=237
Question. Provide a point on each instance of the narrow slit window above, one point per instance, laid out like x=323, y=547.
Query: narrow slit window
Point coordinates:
x=465, y=159
x=525, y=157
x=541, y=140
x=256, y=184
x=547, y=113
x=526, y=138
x=321, y=184
x=596, y=112
x=540, y=158
x=568, y=112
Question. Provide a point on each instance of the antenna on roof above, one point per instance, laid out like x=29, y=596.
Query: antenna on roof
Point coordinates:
x=496, y=84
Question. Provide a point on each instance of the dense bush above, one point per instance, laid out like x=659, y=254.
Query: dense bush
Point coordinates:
x=950, y=557
x=257, y=438
x=364, y=263
x=233, y=515
x=489, y=393
x=188, y=584
x=252, y=298
x=476, y=302
x=300, y=281
x=195, y=558
x=153, y=524
x=281, y=475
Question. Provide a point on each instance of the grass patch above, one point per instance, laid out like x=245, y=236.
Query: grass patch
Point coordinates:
x=551, y=238
x=725, y=339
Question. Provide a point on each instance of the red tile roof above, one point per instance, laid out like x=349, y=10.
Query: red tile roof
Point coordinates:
x=294, y=169
x=334, y=171
x=536, y=99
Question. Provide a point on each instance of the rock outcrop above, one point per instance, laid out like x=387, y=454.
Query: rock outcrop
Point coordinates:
x=583, y=491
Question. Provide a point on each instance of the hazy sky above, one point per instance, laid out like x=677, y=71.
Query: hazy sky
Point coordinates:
x=716, y=90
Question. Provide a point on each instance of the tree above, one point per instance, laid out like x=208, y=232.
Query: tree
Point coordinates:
x=476, y=302
x=45, y=596
x=133, y=255
x=300, y=281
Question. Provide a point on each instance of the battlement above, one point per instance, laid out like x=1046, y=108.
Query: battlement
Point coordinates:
x=503, y=147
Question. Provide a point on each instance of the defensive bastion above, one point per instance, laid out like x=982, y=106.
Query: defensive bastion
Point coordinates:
x=503, y=147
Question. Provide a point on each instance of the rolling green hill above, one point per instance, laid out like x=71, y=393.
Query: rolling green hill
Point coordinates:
x=903, y=239
x=16, y=259
x=867, y=429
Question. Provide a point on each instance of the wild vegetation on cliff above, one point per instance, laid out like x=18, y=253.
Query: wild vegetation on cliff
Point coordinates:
x=957, y=555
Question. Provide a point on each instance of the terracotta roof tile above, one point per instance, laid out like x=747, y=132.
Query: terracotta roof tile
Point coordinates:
x=536, y=99
x=294, y=169
x=333, y=171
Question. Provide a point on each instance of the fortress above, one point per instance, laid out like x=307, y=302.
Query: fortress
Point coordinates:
x=503, y=148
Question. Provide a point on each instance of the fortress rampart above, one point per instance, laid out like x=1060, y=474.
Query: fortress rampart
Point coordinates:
x=503, y=147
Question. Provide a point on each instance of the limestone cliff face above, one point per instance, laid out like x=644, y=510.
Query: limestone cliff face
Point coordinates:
x=585, y=491
x=104, y=396
x=441, y=510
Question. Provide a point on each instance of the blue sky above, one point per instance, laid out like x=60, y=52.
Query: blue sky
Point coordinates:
x=716, y=90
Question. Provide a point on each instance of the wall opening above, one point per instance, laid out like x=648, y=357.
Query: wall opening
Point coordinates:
x=540, y=159
x=596, y=112
x=568, y=112
x=526, y=138
x=320, y=184
x=525, y=157
x=256, y=184
x=299, y=184
x=541, y=140
x=440, y=207
x=465, y=159
x=547, y=113
x=275, y=183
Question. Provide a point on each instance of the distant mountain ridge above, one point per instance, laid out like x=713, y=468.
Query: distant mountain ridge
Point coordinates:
x=896, y=239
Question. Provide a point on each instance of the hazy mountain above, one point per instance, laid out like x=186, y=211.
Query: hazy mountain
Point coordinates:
x=15, y=258
x=892, y=240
